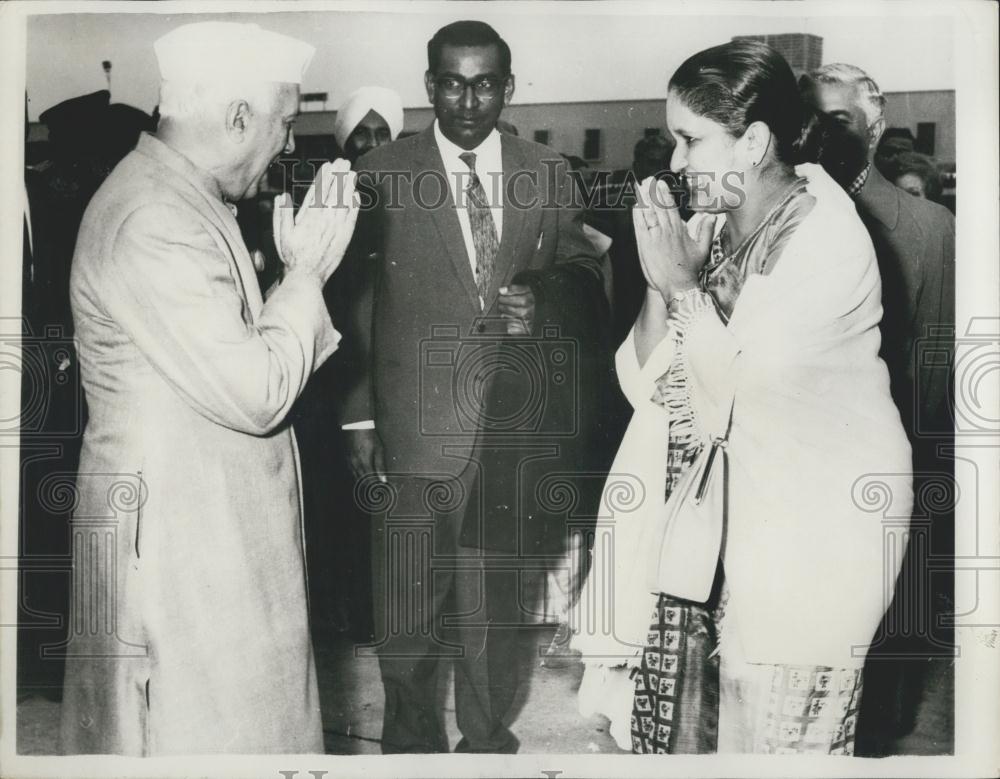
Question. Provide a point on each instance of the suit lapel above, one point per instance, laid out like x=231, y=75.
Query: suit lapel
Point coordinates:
x=880, y=199
x=445, y=218
x=514, y=219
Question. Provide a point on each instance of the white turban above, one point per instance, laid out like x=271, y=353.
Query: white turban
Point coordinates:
x=230, y=52
x=382, y=101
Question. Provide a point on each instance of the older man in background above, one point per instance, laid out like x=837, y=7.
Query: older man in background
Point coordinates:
x=914, y=240
x=188, y=630
x=908, y=674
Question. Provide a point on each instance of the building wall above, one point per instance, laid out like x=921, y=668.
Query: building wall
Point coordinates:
x=802, y=51
x=906, y=109
x=623, y=123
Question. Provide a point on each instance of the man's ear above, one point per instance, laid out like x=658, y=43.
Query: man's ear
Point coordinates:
x=875, y=133
x=429, y=85
x=238, y=120
x=508, y=90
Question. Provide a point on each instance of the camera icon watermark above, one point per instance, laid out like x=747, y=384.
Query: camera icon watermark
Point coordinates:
x=461, y=375
x=968, y=367
x=51, y=393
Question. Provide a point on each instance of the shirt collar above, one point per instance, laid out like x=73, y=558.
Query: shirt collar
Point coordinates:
x=488, y=150
x=855, y=187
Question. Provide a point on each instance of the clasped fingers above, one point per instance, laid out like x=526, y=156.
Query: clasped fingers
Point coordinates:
x=318, y=237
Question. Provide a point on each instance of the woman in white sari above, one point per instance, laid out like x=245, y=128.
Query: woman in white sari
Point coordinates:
x=770, y=296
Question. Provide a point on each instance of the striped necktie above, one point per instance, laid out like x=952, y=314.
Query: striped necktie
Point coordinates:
x=484, y=229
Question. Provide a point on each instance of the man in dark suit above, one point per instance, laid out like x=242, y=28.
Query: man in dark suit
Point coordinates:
x=467, y=247
x=914, y=240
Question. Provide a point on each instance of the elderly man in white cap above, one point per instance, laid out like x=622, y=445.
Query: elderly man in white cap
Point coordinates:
x=189, y=631
x=370, y=117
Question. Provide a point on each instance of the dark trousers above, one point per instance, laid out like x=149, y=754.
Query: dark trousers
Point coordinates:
x=908, y=705
x=436, y=601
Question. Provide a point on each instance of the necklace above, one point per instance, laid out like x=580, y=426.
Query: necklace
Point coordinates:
x=792, y=191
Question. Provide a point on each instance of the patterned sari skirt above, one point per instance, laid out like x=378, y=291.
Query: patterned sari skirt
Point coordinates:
x=694, y=695
x=692, y=698
x=676, y=704
x=697, y=695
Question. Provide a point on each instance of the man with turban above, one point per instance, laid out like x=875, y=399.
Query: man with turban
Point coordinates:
x=370, y=117
x=188, y=631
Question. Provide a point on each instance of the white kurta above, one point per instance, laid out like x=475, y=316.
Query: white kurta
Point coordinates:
x=189, y=628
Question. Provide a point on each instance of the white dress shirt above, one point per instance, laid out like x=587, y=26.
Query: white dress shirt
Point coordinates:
x=489, y=168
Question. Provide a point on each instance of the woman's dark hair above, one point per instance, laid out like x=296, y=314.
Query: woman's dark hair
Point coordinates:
x=920, y=165
x=466, y=33
x=742, y=82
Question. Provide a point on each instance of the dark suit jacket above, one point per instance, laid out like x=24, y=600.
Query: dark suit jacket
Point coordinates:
x=421, y=353
x=543, y=475
x=915, y=243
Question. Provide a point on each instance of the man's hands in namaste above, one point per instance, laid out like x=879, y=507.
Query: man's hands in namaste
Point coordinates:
x=315, y=239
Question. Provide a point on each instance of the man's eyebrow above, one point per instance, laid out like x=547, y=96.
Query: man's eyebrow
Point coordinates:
x=477, y=77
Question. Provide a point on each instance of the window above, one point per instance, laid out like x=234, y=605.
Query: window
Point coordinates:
x=591, y=144
x=542, y=136
x=312, y=101
x=925, y=138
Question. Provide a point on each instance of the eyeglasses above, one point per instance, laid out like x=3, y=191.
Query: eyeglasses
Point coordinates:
x=485, y=88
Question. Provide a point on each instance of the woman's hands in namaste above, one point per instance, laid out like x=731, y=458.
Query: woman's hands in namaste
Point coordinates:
x=671, y=260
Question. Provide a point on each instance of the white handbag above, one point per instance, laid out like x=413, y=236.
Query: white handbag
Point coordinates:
x=687, y=543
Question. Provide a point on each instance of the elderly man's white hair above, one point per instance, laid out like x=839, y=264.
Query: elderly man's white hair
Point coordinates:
x=186, y=99
x=850, y=75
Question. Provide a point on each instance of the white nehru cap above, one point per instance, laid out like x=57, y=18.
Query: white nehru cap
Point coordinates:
x=382, y=101
x=230, y=52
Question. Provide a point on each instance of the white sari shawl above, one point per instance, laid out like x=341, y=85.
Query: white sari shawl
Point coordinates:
x=819, y=465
